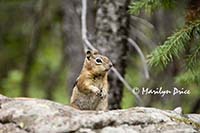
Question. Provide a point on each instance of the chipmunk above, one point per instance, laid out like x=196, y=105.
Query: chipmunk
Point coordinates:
x=90, y=91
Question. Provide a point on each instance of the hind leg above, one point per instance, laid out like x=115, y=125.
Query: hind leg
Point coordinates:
x=103, y=104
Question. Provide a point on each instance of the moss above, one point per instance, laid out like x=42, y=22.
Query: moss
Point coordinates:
x=186, y=121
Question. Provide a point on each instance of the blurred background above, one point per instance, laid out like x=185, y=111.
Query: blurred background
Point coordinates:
x=41, y=50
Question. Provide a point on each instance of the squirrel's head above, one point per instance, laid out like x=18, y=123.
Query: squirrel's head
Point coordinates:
x=97, y=63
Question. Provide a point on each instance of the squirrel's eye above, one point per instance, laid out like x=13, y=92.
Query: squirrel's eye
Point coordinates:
x=98, y=61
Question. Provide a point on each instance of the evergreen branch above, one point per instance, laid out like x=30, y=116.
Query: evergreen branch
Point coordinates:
x=173, y=46
x=193, y=57
x=189, y=77
x=149, y=5
x=192, y=75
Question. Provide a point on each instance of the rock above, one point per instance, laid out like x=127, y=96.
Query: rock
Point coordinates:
x=194, y=117
x=178, y=110
x=35, y=115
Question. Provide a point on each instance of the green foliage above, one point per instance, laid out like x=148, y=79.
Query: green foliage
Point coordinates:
x=16, y=29
x=193, y=58
x=183, y=44
x=192, y=75
x=11, y=84
x=132, y=76
x=149, y=5
x=189, y=77
x=174, y=46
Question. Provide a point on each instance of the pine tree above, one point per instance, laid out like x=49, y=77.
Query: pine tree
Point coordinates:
x=176, y=45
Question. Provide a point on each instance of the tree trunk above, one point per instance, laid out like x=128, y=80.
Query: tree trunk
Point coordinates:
x=111, y=28
x=72, y=36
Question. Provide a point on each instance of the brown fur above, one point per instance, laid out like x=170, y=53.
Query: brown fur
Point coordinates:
x=91, y=89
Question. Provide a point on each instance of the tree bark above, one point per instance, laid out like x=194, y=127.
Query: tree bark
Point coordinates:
x=72, y=37
x=111, y=30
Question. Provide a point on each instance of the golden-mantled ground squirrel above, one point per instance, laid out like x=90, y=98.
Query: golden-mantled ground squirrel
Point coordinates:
x=90, y=91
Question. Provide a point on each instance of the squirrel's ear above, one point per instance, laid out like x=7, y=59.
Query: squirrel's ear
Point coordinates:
x=88, y=54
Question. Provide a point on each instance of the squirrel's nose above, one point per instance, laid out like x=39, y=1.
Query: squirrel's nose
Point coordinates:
x=110, y=65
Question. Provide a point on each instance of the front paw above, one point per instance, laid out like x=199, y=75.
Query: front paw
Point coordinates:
x=99, y=92
x=96, y=91
x=103, y=94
